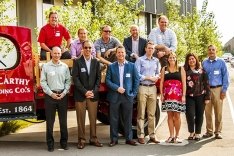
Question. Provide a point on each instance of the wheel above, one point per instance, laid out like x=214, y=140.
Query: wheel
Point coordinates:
x=103, y=110
x=134, y=120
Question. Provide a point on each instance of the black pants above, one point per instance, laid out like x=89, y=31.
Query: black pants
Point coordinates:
x=65, y=55
x=51, y=105
x=123, y=107
x=194, y=113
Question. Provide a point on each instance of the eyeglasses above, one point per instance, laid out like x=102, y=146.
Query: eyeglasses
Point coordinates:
x=107, y=31
x=87, y=47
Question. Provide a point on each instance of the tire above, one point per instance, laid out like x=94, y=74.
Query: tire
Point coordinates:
x=103, y=110
x=134, y=121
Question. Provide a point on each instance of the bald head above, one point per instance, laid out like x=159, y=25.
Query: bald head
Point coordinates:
x=56, y=54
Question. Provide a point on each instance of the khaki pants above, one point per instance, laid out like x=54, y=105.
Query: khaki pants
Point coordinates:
x=81, y=113
x=217, y=104
x=147, y=97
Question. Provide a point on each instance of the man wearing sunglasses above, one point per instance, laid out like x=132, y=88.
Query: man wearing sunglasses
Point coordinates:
x=106, y=46
x=86, y=77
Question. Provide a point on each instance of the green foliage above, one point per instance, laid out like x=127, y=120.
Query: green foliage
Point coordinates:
x=8, y=127
x=6, y=5
x=195, y=31
x=92, y=15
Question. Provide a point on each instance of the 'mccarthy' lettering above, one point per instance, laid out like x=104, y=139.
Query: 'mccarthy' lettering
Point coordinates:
x=17, y=81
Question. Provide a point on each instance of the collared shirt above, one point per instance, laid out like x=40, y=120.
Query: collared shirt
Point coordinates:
x=217, y=72
x=102, y=47
x=167, y=38
x=55, y=77
x=76, y=47
x=121, y=73
x=147, y=67
x=53, y=36
x=135, y=44
x=88, y=63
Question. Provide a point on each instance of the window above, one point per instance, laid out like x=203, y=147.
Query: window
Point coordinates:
x=48, y=1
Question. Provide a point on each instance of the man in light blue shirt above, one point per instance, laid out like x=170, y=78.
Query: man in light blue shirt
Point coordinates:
x=219, y=81
x=148, y=68
x=163, y=38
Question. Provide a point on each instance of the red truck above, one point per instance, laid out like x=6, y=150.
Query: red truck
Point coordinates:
x=21, y=96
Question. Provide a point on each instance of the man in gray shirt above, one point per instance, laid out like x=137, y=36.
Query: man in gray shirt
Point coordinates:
x=106, y=46
x=55, y=82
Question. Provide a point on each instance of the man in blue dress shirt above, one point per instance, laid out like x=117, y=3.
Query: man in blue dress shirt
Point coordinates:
x=219, y=81
x=148, y=68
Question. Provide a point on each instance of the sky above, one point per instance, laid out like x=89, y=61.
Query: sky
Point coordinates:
x=224, y=12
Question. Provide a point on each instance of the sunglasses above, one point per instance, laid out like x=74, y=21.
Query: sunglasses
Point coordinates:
x=87, y=47
x=107, y=31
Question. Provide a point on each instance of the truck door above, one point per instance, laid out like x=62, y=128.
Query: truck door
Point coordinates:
x=16, y=74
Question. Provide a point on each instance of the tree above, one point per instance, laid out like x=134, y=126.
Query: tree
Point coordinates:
x=195, y=31
x=92, y=15
x=6, y=5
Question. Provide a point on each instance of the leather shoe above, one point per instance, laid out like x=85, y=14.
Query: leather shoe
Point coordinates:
x=65, y=147
x=154, y=140
x=218, y=136
x=207, y=135
x=141, y=140
x=95, y=143
x=50, y=149
x=80, y=145
x=113, y=143
x=131, y=142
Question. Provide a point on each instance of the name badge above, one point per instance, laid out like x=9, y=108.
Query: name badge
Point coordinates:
x=216, y=72
x=52, y=73
x=83, y=70
x=103, y=50
x=128, y=75
x=57, y=34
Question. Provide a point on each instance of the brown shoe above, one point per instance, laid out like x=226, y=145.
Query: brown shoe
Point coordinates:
x=131, y=142
x=80, y=145
x=95, y=143
x=154, y=140
x=218, y=136
x=141, y=140
x=207, y=135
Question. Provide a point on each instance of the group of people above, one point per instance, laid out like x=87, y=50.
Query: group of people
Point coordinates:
x=132, y=70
